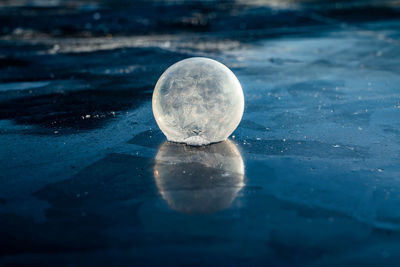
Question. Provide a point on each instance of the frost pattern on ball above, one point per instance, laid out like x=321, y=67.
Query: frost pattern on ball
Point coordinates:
x=198, y=101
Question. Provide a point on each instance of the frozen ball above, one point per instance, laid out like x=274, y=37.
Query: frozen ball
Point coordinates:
x=198, y=101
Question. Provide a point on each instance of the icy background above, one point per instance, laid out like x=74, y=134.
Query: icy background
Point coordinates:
x=319, y=140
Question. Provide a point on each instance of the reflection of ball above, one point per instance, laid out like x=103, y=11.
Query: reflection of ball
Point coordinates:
x=198, y=101
x=199, y=180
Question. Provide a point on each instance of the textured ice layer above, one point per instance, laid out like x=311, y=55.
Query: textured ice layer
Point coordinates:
x=198, y=101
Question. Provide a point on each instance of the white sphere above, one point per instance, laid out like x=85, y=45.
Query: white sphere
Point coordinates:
x=198, y=101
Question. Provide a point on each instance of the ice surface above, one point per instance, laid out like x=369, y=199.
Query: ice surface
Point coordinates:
x=198, y=101
x=317, y=190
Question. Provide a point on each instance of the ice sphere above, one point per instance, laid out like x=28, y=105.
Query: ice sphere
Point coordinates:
x=198, y=101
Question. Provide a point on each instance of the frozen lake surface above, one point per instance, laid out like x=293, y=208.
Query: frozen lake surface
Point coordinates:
x=310, y=177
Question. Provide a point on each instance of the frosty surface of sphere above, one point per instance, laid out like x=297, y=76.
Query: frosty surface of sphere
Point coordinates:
x=198, y=101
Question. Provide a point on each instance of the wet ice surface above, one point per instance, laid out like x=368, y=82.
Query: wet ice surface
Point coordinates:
x=86, y=176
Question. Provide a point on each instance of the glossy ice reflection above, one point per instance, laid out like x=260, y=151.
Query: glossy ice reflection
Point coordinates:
x=199, y=179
